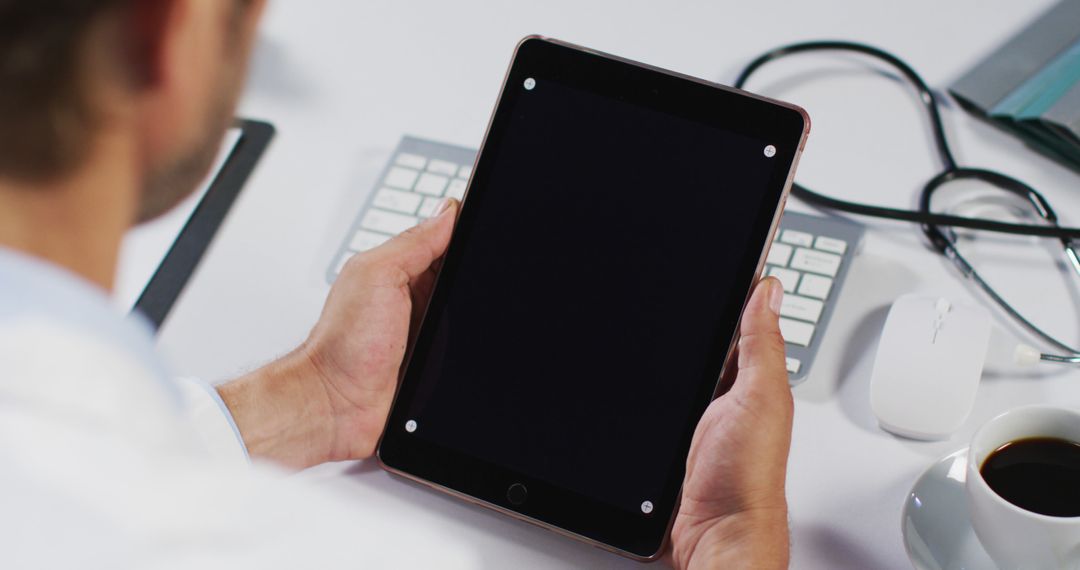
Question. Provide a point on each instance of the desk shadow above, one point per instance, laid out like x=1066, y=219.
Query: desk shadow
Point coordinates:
x=844, y=553
x=363, y=467
x=562, y=552
x=879, y=510
x=853, y=391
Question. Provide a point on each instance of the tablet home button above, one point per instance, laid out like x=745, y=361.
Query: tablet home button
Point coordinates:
x=517, y=493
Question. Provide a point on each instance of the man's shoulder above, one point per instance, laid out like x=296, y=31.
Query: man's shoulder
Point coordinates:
x=56, y=369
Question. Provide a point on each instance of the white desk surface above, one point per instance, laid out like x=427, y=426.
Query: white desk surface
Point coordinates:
x=343, y=81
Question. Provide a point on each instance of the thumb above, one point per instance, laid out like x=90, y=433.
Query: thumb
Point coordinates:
x=761, y=348
x=414, y=250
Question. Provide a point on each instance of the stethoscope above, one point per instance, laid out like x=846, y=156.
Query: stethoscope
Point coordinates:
x=939, y=228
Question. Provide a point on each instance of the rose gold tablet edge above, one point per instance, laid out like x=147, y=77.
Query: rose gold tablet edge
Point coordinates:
x=791, y=106
x=731, y=349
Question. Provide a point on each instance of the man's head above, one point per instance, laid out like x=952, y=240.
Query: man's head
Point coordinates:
x=165, y=72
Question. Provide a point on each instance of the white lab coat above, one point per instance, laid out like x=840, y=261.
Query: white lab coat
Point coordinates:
x=107, y=463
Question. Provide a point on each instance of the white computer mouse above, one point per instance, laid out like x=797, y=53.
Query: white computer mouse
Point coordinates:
x=928, y=366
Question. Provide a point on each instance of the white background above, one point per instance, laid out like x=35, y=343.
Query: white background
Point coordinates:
x=343, y=81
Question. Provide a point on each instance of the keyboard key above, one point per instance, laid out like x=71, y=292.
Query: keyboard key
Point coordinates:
x=411, y=160
x=365, y=240
x=387, y=222
x=816, y=261
x=428, y=207
x=830, y=244
x=403, y=178
x=789, y=278
x=442, y=167
x=801, y=308
x=465, y=172
x=797, y=238
x=431, y=184
x=456, y=189
x=405, y=202
x=815, y=286
x=796, y=332
x=779, y=254
x=793, y=365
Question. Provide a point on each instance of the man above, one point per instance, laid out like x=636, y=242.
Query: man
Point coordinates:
x=110, y=112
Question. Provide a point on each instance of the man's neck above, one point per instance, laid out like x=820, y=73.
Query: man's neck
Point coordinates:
x=76, y=221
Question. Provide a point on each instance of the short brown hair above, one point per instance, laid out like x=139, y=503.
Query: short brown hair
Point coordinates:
x=45, y=118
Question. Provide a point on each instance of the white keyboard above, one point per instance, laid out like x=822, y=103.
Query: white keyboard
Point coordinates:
x=810, y=256
x=807, y=265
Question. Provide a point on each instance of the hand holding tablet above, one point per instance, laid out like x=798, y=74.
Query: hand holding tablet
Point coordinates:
x=558, y=376
x=733, y=511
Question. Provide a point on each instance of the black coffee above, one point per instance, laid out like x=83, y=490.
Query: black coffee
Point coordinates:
x=1040, y=474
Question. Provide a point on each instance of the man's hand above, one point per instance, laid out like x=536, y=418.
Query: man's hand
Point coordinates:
x=734, y=512
x=328, y=400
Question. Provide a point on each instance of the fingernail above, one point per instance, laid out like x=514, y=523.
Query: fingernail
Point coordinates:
x=443, y=206
x=776, y=295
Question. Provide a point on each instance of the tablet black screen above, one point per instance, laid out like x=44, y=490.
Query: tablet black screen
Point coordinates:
x=591, y=292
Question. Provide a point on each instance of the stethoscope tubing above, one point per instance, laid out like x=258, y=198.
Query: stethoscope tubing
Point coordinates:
x=931, y=222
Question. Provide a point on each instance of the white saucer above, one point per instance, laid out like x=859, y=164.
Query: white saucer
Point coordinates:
x=937, y=530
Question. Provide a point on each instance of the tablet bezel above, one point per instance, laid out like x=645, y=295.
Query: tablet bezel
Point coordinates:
x=635, y=535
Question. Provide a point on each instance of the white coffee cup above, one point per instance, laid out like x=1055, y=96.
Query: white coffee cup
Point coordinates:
x=1012, y=536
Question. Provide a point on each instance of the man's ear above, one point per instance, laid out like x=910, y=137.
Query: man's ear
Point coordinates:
x=174, y=56
x=149, y=33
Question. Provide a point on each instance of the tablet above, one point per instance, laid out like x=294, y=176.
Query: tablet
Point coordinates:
x=616, y=220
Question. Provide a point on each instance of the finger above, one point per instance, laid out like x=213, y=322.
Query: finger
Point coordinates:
x=761, y=348
x=416, y=249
